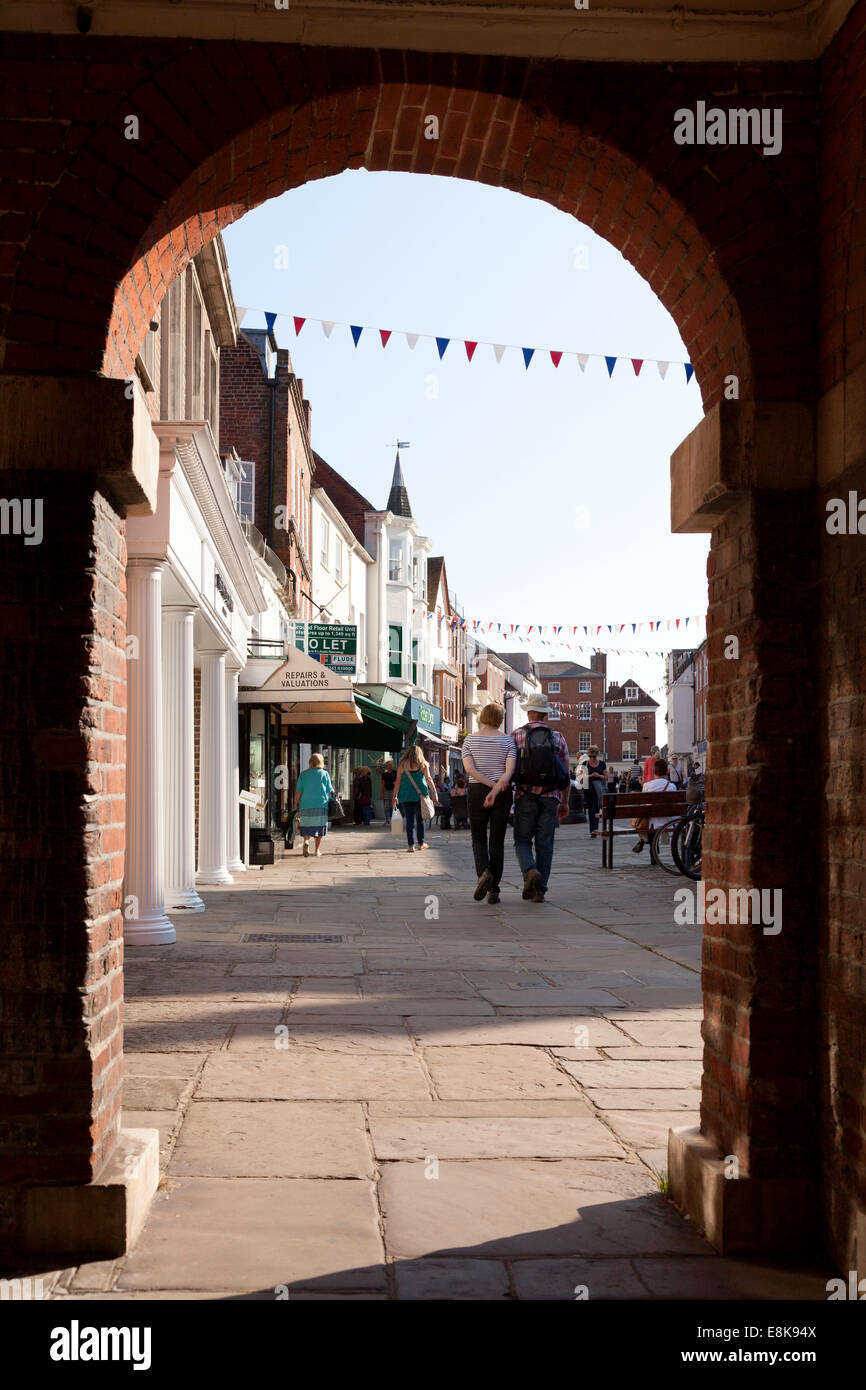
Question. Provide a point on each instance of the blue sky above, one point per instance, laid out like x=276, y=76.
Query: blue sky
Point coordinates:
x=547, y=490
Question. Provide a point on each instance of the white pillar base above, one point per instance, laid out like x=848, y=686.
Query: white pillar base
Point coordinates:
x=215, y=876
x=157, y=931
x=237, y=866
x=188, y=901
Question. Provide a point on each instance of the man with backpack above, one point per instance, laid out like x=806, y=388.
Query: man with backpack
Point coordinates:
x=541, y=784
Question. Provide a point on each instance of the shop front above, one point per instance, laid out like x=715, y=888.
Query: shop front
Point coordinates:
x=301, y=702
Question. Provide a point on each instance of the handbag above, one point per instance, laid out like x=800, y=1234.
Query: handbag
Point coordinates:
x=397, y=826
x=335, y=807
x=428, y=810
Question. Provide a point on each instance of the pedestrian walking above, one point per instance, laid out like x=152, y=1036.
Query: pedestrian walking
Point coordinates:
x=596, y=770
x=363, y=799
x=312, y=794
x=460, y=802
x=414, y=786
x=635, y=780
x=389, y=780
x=489, y=758
x=443, y=786
x=541, y=785
x=622, y=784
x=659, y=782
x=611, y=780
x=675, y=771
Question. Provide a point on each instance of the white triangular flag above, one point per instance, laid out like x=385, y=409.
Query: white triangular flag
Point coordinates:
x=241, y=313
x=327, y=328
x=412, y=338
x=662, y=366
x=499, y=349
x=583, y=358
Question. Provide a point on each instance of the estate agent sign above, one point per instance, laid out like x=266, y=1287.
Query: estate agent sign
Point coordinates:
x=333, y=644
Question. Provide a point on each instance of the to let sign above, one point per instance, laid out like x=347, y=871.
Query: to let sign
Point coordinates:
x=333, y=644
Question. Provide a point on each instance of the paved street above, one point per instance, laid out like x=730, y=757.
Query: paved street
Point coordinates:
x=369, y=1086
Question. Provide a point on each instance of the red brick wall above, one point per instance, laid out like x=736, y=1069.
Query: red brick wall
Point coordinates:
x=840, y=737
x=614, y=736
x=764, y=789
x=570, y=726
x=95, y=226
x=62, y=785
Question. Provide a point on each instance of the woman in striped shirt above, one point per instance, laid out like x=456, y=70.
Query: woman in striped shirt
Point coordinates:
x=489, y=758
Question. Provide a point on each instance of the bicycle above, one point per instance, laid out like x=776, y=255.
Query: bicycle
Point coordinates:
x=677, y=845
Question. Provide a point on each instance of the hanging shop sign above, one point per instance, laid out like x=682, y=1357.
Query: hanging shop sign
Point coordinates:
x=427, y=717
x=333, y=644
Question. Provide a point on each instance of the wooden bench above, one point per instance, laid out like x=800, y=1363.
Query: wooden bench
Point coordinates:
x=619, y=806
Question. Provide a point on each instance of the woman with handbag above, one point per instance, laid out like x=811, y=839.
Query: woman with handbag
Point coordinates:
x=312, y=795
x=413, y=794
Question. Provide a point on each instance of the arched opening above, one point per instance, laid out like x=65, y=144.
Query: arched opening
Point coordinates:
x=706, y=265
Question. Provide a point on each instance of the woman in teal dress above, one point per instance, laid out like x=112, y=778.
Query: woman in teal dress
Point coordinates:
x=311, y=797
x=414, y=781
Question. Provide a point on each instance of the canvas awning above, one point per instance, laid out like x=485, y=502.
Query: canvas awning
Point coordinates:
x=378, y=729
x=305, y=690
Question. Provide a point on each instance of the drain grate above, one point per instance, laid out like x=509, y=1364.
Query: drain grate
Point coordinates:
x=290, y=939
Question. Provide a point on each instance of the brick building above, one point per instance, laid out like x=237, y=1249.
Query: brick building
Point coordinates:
x=265, y=418
x=583, y=688
x=629, y=724
x=760, y=262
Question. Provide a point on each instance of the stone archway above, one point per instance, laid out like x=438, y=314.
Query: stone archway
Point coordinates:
x=119, y=220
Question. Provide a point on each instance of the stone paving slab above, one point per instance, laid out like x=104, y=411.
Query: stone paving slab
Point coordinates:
x=306, y=1074
x=329, y=1037
x=646, y=1129
x=211, y=1234
x=669, y=1033
x=273, y=1139
x=638, y=1075
x=531, y=1030
x=524, y=1207
x=657, y=1098
x=664, y=1277
x=486, y=1072
x=397, y=1006
x=493, y=1137
x=452, y=1279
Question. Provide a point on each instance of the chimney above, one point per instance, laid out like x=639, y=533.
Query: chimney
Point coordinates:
x=598, y=663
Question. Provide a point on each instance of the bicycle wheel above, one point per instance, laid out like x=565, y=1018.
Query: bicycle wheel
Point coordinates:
x=687, y=847
x=661, y=846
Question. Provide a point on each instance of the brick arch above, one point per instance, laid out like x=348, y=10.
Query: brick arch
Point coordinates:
x=484, y=136
x=224, y=126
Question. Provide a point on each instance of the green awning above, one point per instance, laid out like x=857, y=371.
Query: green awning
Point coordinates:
x=381, y=731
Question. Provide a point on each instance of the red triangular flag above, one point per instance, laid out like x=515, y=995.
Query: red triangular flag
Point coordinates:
x=555, y=358
x=384, y=334
x=299, y=323
x=637, y=363
x=470, y=348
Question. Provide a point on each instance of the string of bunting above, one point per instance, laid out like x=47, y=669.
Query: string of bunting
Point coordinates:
x=533, y=632
x=471, y=345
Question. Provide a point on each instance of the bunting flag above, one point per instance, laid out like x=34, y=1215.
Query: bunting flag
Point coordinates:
x=471, y=345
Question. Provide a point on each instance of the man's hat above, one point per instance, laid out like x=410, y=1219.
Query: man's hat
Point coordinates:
x=537, y=704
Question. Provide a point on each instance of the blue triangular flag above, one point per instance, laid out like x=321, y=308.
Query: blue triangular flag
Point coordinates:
x=689, y=372
x=527, y=356
x=356, y=333
x=442, y=344
x=611, y=363
x=270, y=320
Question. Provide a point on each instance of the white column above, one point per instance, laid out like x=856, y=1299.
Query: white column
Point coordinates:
x=212, y=759
x=234, y=863
x=178, y=763
x=145, y=922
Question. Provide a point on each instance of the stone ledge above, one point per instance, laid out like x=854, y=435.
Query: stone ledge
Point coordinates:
x=740, y=447
x=739, y=1216
x=98, y=1220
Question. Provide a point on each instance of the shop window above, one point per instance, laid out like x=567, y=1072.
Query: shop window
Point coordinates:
x=395, y=651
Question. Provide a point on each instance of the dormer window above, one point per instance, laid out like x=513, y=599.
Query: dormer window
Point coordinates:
x=631, y=692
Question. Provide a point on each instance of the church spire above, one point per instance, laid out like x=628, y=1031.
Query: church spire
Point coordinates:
x=398, y=497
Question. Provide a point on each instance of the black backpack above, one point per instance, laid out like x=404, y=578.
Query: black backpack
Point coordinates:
x=539, y=764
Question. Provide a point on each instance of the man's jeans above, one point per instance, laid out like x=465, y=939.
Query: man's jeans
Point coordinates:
x=535, y=818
